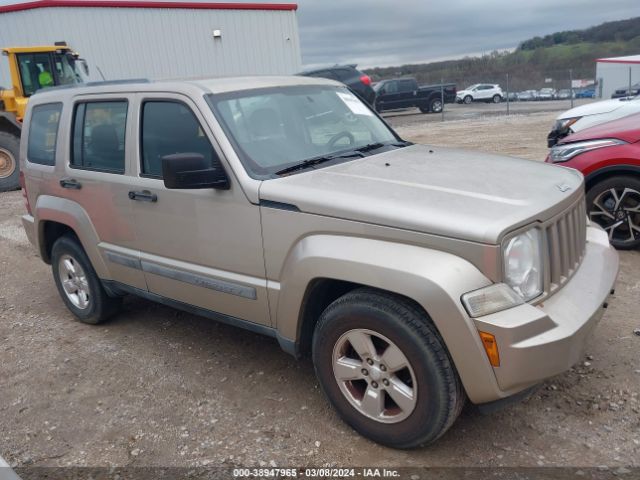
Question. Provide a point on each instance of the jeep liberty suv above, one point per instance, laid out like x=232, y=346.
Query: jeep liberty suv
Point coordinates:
x=415, y=277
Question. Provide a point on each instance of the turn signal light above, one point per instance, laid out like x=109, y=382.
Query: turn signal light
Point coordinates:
x=491, y=347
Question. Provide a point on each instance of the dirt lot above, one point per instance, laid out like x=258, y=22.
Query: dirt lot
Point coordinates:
x=155, y=386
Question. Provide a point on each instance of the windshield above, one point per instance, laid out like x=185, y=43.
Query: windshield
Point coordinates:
x=67, y=69
x=472, y=86
x=273, y=129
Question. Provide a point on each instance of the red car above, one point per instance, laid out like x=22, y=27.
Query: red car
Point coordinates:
x=608, y=155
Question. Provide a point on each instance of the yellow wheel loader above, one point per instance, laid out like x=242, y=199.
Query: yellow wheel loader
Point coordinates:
x=30, y=69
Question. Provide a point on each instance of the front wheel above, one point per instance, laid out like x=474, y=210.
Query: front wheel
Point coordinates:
x=497, y=98
x=614, y=204
x=468, y=99
x=385, y=369
x=9, y=171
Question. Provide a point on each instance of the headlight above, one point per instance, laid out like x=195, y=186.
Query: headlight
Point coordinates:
x=522, y=258
x=565, y=152
x=562, y=126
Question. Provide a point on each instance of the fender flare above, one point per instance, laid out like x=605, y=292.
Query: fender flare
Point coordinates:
x=434, y=279
x=71, y=214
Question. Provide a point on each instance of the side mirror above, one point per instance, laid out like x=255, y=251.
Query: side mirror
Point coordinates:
x=192, y=171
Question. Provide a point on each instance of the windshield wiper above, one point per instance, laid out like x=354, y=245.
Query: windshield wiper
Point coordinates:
x=310, y=162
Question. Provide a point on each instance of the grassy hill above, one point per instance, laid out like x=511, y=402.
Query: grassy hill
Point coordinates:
x=533, y=61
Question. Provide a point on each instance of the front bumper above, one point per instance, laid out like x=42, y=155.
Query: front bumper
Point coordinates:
x=536, y=342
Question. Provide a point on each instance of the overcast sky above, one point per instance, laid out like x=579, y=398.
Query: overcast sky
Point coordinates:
x=387, y=32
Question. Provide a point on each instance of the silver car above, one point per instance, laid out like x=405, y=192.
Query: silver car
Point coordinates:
x=415, y=277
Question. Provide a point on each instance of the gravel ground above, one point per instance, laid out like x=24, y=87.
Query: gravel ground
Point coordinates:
x=155, y=386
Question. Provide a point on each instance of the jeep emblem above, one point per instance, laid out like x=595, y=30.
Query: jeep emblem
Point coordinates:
x=563, y=187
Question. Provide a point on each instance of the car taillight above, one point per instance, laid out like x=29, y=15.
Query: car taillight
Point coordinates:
x=23, y=186
x=366, y=79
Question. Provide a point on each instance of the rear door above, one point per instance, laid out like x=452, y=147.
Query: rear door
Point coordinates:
x=97, y=176
x=200, y=247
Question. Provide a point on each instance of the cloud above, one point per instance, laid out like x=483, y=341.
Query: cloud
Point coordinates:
x=382, y=32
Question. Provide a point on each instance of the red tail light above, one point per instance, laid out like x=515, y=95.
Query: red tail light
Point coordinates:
x=365, y=79
x=23, y=186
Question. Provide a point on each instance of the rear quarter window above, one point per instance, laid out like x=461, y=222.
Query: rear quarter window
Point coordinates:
x=43, y=133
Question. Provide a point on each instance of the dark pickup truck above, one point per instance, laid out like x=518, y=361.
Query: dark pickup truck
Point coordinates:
x=405, y=93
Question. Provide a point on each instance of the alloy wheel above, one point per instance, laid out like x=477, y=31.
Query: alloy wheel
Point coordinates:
x=74, y=282
x=375, y=376
x=617, y=210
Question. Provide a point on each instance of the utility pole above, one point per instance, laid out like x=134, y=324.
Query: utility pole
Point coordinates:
x=507, y=94
x=442, y=97
x=571, y=85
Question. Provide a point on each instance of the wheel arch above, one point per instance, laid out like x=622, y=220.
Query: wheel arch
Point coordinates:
x=55, y=217
x=9, y=124
x=321, y=268
x=601, y=174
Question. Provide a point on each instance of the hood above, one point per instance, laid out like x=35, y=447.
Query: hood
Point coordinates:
x=453, y=193
x=597, y=108
x=626, y=128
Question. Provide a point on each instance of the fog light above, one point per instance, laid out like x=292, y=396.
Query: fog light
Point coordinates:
x=491, y=347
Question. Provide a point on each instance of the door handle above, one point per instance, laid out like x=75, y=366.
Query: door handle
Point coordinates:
x=143, y=196
x=70, y=183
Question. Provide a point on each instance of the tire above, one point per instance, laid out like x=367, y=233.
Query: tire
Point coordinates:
x=496, y=98
x=437, y=396
x=601, y=207
x=87, y=298
x=467, y=99
x=9, y=168
x=435, y=106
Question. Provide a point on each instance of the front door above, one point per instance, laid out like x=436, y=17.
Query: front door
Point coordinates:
x=200, y=247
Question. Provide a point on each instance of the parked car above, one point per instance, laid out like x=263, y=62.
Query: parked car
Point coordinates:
x=585, y=116
x=480, y=92
x=626, y=91
x=547, y=94
x=353, y=78
x=608, y=155
x=528, y=95
x=586, y=93
x=405, y=93
x=566, y=94
x=415, y=276
x=512, y=96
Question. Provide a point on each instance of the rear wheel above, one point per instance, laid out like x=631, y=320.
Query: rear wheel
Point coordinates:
x=385, y=369
x=435, y=106
x=78, y=283
x=614, y=204
x=497, y=98
x=9, y=171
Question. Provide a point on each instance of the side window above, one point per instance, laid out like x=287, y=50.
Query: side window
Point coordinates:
x=98, y=136
x=406, y=85
x=43, y=132
x=170, y=127
x=35, y=72
x=391, y=87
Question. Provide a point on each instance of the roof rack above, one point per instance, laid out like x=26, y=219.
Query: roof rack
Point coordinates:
x=95, y=84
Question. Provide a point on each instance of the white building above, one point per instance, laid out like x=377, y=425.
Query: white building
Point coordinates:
x=614, y=73
x=153, y=39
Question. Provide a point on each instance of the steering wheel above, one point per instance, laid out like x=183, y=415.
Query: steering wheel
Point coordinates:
x=338, y=136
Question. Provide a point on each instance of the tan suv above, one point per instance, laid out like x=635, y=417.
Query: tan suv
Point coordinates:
x=414, y=276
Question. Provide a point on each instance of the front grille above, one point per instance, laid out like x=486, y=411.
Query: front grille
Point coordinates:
x=566, y=241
